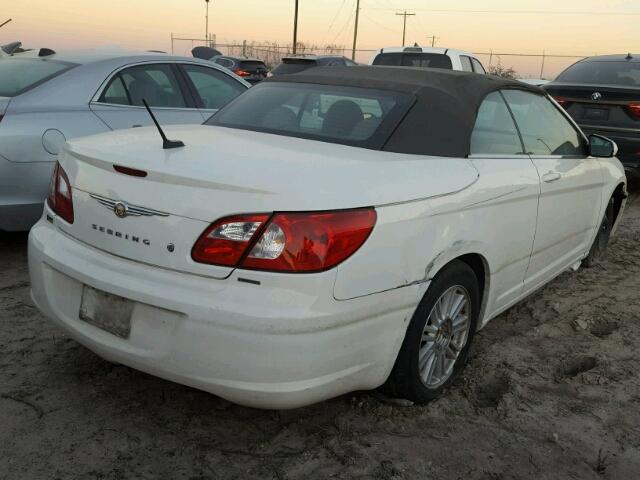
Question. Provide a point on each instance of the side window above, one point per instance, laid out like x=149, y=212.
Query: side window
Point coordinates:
x=466, y=63
x=495, y=132
x=154, y=83
x=115, y=93
x=477, y=66
x=215, y=88
x=545, y=131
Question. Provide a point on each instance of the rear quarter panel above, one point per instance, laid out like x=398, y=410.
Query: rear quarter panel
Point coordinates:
x=495, y=218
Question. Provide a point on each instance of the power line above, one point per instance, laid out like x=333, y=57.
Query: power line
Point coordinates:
x=375, y=22
x=515, y=12
x=336, y=16
x=344, y=27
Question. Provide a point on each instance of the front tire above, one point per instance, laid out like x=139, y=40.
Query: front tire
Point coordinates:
x=438, y=339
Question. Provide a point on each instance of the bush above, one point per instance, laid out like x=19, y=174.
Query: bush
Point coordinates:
x=503, y=72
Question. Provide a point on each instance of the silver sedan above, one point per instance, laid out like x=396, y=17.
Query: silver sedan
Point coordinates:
x=47, y=98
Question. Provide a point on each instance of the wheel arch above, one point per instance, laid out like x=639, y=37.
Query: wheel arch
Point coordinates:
x=619, y=197
x=480, y=266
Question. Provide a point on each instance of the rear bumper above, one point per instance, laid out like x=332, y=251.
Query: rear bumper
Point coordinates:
x=281, y=344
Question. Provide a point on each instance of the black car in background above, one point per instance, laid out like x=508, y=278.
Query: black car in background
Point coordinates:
x=298, y=63
x=602, y=94
x=252, y=70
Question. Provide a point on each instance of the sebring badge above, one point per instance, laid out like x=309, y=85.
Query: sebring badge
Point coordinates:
x=123, y=209
x=596, y=96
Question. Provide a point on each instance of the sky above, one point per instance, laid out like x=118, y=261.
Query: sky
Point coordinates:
x=569, y=27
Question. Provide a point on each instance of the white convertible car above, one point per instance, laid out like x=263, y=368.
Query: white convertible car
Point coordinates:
x=330, y=231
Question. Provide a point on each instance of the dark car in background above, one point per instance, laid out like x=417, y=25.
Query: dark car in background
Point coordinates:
x=299, y=63
x=253, y=70
x=602, y=94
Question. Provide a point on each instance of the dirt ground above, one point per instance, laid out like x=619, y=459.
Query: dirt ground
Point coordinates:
x=552, y=391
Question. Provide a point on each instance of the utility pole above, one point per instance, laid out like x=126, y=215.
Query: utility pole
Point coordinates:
x=295, y=28
x=433, y=39
x=355, y=32
x=4, y=23
x=206, y=28
x=404, y=28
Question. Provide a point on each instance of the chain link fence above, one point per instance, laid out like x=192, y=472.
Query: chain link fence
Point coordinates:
x=526, y=65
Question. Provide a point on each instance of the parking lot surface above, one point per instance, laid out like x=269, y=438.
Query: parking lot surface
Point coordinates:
x=552, y=391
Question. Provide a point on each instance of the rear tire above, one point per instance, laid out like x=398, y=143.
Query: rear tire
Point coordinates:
x=599, y=248
x=438, y=339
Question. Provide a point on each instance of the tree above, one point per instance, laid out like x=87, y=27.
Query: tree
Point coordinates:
x=503, y=72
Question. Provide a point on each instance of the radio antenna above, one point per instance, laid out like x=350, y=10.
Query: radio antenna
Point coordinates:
x=166, y=143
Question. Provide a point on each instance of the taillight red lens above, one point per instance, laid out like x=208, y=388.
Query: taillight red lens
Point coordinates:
x=60, y=198
x=289, y=242
x=310, y=242
x=241, y=73
x=563, y=102
x=226, y=240
x=634, y=109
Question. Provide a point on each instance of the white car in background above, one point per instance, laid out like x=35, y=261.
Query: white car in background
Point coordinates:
x=48, y=97
x=325, y=232
x=428, y=57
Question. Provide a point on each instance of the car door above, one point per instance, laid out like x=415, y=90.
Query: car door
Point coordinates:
x=211, y=88
x=570, y=185
x=120, y=105
x=506, y=198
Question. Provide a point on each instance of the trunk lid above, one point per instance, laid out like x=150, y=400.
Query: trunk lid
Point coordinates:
x=223, y=171
x=593, y=106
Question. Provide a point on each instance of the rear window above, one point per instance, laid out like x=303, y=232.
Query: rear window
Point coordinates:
x=602, y=73
x=346, y=115
x=293, y=66
x=413, y=59
x=17, y=75
x=252, y=66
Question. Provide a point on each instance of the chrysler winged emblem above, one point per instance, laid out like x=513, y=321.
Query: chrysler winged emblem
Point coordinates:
x=596, y=96
x=120, y=209
x=123, y=209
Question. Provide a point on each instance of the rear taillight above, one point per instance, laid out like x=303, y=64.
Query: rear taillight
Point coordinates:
x=285, y=242
x=60, y=199
x=241, y=73
x=634, y=109
x=226, y=240
x=563, y=102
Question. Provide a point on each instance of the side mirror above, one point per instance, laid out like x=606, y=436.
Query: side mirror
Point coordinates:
x=602, y=147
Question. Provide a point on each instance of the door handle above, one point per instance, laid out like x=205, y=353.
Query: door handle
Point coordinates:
x=136, y=126
x=551, y=177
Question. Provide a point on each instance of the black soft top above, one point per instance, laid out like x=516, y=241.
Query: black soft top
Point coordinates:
x=441, y=120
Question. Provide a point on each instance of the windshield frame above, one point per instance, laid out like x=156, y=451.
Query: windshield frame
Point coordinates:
x=376, y=141
x=68, y=65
